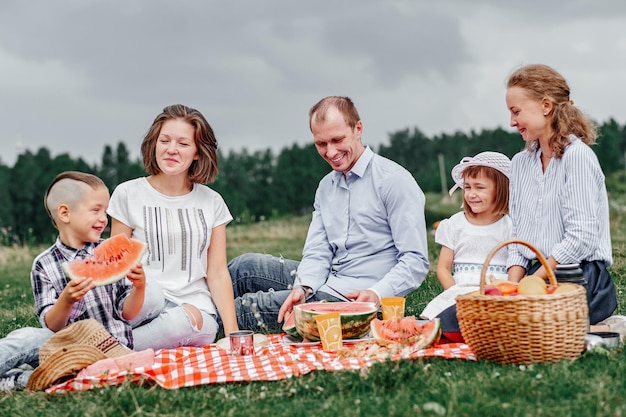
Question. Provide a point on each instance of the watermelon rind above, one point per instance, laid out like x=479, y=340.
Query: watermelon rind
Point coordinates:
x=99, y=266
x=431, y=332
x=289, y=327
x=355, y=318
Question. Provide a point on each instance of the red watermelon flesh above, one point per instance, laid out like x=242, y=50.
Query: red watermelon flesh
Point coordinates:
x=407, y=330
x=111, y=261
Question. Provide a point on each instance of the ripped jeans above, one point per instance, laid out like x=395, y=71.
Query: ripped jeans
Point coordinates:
x=261, y=284
x=174, y=328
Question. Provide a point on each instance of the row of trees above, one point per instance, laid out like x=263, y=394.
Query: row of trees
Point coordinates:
x=260, y=184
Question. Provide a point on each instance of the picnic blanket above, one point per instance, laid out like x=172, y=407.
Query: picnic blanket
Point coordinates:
x=188, y=366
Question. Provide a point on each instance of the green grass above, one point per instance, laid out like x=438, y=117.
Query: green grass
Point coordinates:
x=593, y=385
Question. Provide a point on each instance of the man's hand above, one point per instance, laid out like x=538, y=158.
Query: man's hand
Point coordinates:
x=297, y=296
x=364, y=295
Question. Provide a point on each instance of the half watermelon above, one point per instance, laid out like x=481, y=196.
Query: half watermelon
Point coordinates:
x=111, y=261
x=407, y=330
x=355, y=318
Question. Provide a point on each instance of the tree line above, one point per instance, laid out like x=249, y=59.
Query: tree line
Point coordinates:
x=261, y=184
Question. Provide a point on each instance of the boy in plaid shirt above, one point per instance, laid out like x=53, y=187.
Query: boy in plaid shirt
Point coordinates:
x=76, y=203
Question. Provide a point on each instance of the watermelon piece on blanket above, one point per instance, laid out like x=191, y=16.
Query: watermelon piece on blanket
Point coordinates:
x=111, y=261
x=407, y=330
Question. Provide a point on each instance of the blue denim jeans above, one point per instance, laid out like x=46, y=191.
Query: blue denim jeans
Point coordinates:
x=21, y=347
x=261, y=284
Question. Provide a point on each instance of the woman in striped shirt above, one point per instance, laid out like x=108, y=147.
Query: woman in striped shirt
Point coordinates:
x=558, y=199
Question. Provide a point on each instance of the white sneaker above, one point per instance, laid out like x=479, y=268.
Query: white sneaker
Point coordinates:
x=9, y=383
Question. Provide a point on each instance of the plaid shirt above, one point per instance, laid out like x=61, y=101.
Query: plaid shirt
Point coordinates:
x=103, y=303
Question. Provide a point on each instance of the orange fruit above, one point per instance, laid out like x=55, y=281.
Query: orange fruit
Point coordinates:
x=507, y=287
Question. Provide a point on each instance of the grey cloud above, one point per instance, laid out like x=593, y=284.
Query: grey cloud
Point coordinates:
x=140, y=50
x=76, y=75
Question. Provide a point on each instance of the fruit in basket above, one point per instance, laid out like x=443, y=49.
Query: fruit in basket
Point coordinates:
x=355, y=318
x=492, y=290
x=532, y=285
x=507, y=287
x=406, y=330
x=565, y=288
x=501, y=287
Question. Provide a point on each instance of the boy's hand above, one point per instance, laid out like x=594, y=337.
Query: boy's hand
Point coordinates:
x=76, y=289
x=137, y=277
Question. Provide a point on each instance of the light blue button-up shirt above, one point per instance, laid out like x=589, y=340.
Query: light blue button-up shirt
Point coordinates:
x=367, y=232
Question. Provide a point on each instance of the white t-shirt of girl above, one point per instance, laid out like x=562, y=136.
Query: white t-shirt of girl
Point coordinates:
x=177, y=231
x=471, y=244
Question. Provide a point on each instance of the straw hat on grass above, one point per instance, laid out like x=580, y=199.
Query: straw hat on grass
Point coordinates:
x=71, y=349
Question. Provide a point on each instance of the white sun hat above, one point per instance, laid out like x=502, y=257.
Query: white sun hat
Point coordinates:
x=495, y=160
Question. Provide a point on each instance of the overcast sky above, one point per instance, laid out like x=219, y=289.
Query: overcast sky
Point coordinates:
x=78, y=75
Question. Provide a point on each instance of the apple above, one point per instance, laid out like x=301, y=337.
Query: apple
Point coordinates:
x=492, y=290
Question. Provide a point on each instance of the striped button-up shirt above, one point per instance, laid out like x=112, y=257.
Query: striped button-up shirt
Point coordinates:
x=563, y=211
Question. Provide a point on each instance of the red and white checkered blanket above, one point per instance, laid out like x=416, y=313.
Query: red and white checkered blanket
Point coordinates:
x=187, y=366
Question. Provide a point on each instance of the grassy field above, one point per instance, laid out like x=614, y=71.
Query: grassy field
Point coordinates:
x=593, y=385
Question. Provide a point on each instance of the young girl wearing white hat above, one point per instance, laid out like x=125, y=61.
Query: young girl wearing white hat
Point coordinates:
x=467, y=237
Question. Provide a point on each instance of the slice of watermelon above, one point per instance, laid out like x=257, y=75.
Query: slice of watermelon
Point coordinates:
x=289, y=327
x=111, y=261
x=407, y=330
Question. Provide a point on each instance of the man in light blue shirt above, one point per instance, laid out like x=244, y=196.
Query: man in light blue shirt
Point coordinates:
x=366, y=240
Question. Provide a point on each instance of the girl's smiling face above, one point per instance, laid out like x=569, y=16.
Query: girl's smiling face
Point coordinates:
x=479, y=193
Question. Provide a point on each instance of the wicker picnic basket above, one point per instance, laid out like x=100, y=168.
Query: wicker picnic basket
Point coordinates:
x=523, y=329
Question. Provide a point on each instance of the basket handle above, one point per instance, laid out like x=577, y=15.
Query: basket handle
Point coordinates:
x=540, y=257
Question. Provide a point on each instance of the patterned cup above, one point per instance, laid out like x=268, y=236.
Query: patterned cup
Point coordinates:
x=242, y=343
x=329, y=327
x=393, y=307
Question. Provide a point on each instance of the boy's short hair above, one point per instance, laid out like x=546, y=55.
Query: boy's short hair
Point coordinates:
x=64, y=190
